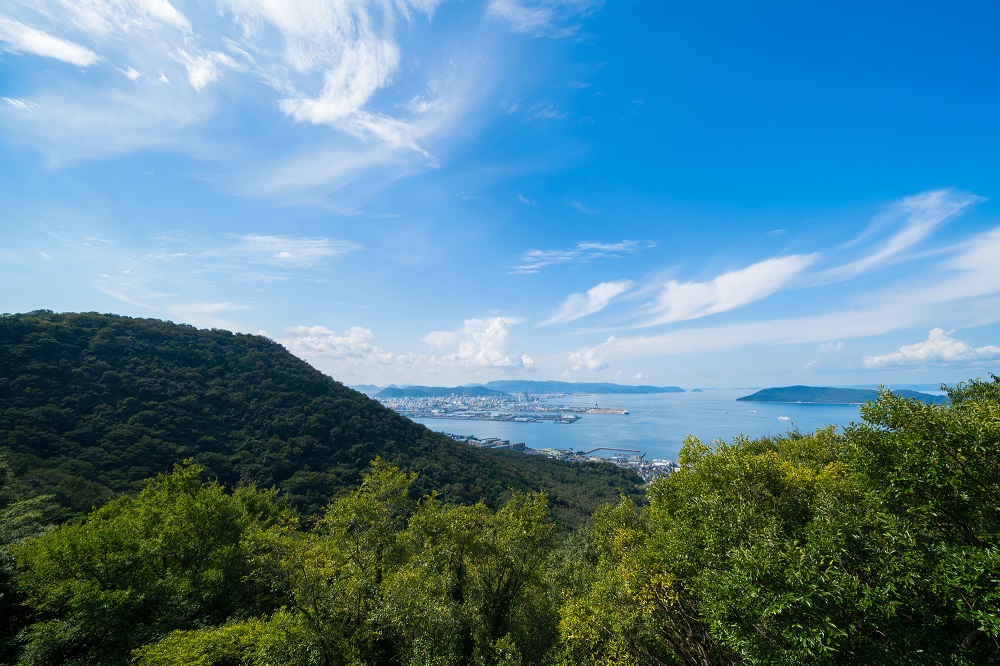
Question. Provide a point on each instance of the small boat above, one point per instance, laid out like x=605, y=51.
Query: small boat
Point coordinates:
x=784, y=418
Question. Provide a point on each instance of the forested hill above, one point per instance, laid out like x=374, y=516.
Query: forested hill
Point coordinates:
x=90, y=405
x=833, y=396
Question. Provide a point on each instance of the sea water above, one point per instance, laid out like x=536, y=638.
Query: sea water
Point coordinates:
x=658, y=423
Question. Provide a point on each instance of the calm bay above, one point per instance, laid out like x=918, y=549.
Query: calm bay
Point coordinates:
x=658, y=423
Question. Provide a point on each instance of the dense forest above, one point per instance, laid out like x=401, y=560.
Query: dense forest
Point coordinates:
x=93, y=405
x=879, y=544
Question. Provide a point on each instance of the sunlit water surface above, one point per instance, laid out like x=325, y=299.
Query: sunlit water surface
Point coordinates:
x=658, y=423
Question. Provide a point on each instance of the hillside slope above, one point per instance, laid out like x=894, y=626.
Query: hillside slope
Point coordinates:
x=90, y=405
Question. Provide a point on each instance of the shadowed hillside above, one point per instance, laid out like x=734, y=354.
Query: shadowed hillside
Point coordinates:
x=90, y=405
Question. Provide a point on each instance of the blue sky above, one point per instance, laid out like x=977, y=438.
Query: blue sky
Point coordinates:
x=444, y=192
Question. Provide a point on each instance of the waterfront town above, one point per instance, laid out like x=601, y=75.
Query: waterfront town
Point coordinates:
x=526, y=409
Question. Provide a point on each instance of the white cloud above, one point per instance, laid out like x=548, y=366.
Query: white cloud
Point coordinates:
x=920, y=215
x=829, y=355
x=289, y=251
x=352, y=43
x=483, y=345
x=361, y=69
x=523, y=199
x=20, y=104
x=939, y=347
x=480, y=343
x=318, y=341
x=101, y=18
x=204, y=69
x=533, y=261
x=597, y=298
x=592, y=359
x=20, y=38
x=543, y=18
x=898, y=307
x=321, y=61
x=680, y=301
x=130, y=73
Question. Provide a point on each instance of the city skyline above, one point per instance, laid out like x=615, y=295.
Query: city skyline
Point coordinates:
x=442, y=193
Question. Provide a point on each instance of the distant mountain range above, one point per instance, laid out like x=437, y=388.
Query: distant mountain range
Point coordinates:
x=437, y=392
x=832, y=396
x=367, y=389
x=502, y=387
x=521, y=386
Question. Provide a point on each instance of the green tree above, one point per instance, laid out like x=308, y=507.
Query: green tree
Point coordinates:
x=382, y=579
x=938, y=469
x=876, y=546
x=21, y=517
x=178, y=556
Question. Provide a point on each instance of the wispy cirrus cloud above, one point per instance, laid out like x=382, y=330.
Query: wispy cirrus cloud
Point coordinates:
x=916, y=217
x=18, y=38
x=534, y=261
x=580, y=207
x=598, y=297
x=291, y=251
x=543, y=18
x=322, y=61
x=939, y=347
x=19, y=104
x=351, y=44
x=681, y=301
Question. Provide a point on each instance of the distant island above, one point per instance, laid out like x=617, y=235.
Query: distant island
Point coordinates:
x=833, y=396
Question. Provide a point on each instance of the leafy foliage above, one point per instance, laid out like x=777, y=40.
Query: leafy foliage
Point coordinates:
x=877, y=546
x=21, y=517
x=382, y=579
x=177, y=556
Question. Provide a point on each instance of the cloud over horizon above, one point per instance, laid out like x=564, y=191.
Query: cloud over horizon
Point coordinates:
x=939, y=347
x=480, y=343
